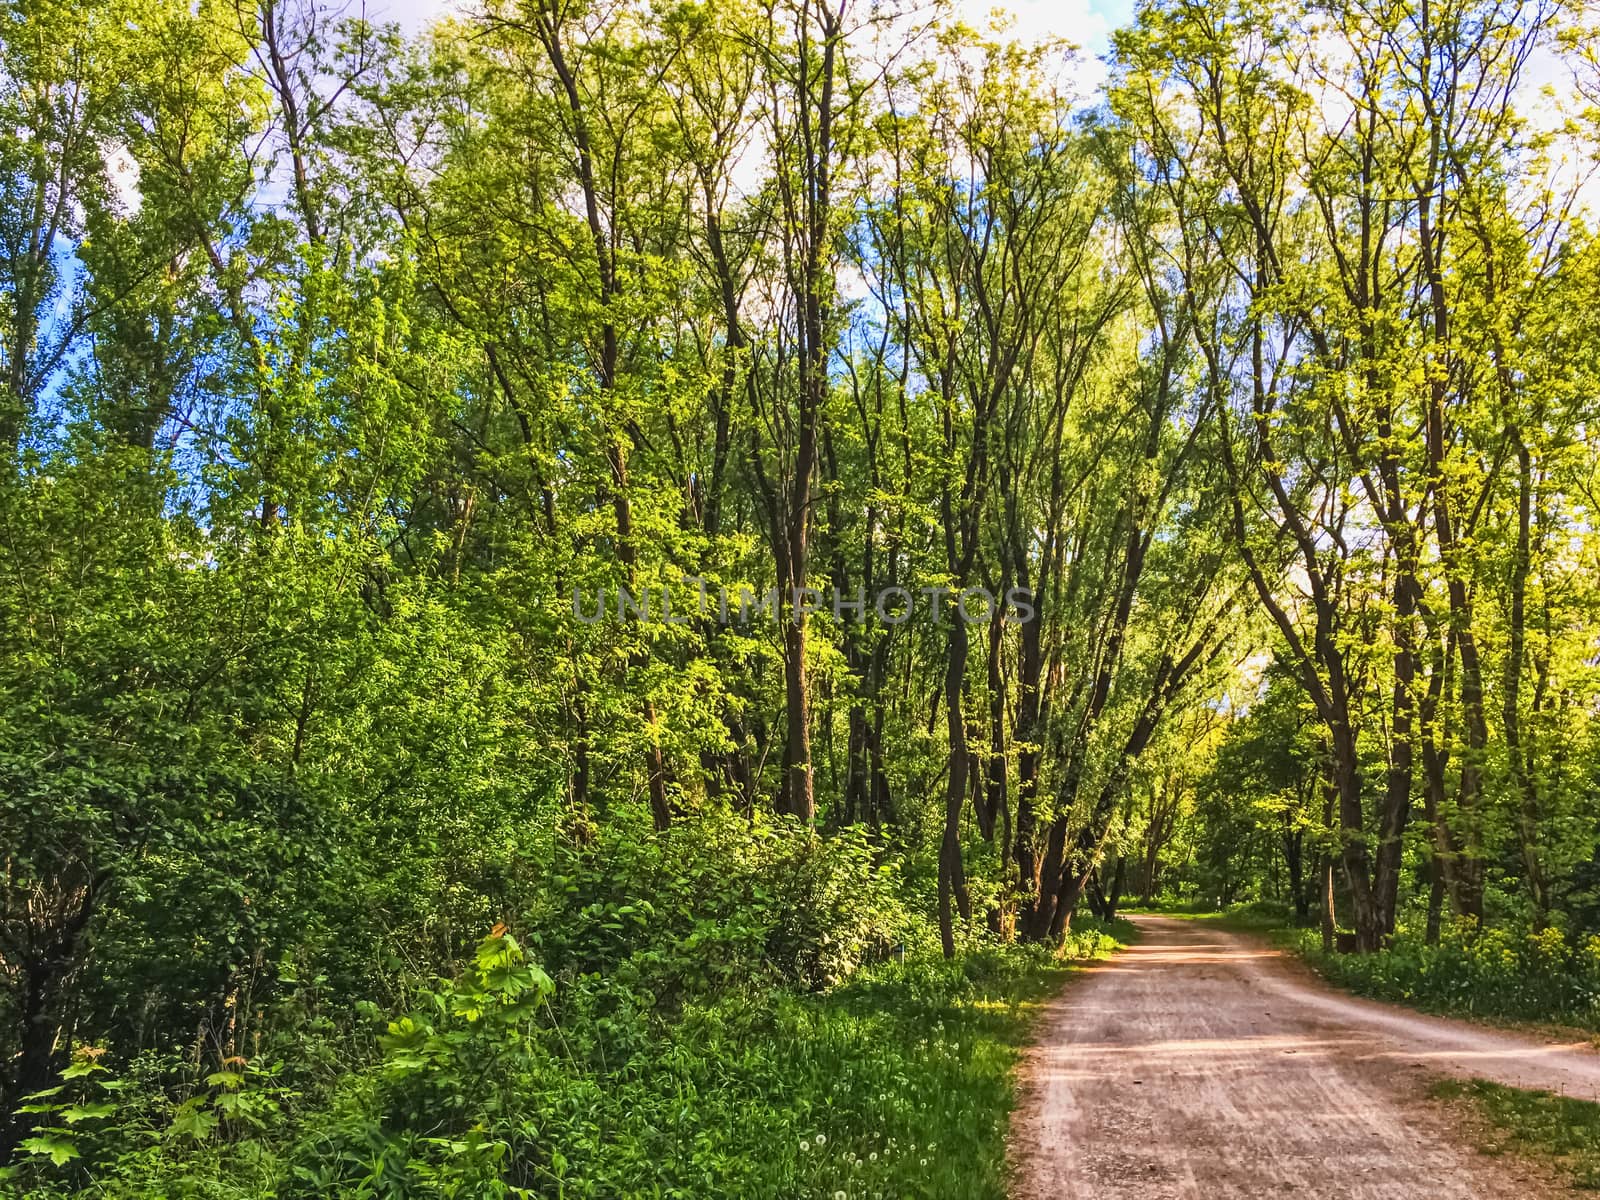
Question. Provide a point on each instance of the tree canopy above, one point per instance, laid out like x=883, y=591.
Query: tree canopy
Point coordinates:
x=629, y=502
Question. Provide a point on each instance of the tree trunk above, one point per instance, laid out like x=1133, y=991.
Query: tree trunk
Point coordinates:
x=1294, y=862
x=1029, y=731
x=798, y=798
x=1353, y=842
x=995, y=806
x=1517, y=754
x=952, y=877
x=1396, y=811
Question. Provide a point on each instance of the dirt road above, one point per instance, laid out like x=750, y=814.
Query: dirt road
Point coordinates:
x=1203, y=1064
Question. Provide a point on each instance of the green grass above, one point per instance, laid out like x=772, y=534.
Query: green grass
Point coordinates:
x=897, y=1084
x=1247, y=918
x=1173, y=908
x=917, y=1072
x=1536, y=1124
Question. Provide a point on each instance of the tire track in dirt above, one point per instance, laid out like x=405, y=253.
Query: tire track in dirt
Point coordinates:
x=1202, y=1063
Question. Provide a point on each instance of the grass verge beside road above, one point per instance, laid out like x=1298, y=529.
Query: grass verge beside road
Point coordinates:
x=1540, y=1125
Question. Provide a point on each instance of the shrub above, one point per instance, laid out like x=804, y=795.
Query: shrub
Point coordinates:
x=1487, y=971
x=711, y=1011
x=718, y=901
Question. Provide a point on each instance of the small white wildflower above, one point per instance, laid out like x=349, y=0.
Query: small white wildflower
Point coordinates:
x=805, y=1146
x=820, y=1140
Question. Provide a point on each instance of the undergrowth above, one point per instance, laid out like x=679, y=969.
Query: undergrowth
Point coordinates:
x=746, y=1032
x=1473, y=971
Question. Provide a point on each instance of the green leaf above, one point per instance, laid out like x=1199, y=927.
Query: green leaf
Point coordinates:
x=87, y=1112
x=193, y=1122
x=57, y=1150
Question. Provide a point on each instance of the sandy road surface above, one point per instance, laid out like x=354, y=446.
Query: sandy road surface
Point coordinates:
x=1203, y=1064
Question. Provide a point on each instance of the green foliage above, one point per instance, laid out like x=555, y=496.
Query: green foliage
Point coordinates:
x=897, y=1082
x=334, y=364
x=719, y=902
x=498, y=1085
x=1492, y=972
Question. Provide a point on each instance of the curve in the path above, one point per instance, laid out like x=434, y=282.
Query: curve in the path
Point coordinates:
x=1200, y=1063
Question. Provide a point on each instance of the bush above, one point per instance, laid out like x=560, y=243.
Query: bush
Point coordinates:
x=718, y=901
x=506, y=1082
x=1491, y=972
x=713, y=1011
x=897, y=1082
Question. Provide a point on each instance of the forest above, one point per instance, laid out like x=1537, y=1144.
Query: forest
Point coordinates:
x=575, y=584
